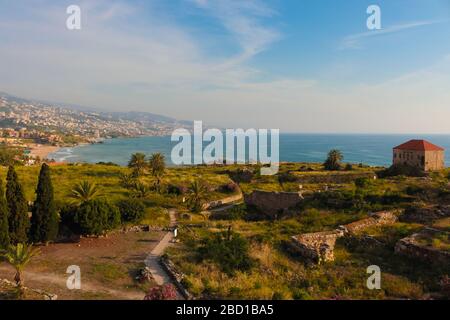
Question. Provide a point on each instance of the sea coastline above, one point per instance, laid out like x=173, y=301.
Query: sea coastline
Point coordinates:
x=374, y=150
x=42, y=151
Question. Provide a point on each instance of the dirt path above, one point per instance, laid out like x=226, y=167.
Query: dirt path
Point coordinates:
x=37, y=279
x=152, y=261
x=60, y=281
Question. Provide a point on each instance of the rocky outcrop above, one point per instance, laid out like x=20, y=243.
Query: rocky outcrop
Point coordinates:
x=273, y=203
x=412, y=246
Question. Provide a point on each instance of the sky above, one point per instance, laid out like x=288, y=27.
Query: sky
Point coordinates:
x=293, y=65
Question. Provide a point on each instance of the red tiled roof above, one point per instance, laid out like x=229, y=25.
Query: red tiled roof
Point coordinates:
x=419, y=145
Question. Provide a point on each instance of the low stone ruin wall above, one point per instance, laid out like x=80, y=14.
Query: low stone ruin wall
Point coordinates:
x=375, y=219
x=410, y=246
x=222, y=202
x=44, y=294
x=425, y=215
x=319, y=247
x=273, y=203
x=176, y=276
x=316, y=247
x=333, y=178
x=143, y=228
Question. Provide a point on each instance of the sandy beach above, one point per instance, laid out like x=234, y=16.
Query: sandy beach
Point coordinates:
x=41, y=151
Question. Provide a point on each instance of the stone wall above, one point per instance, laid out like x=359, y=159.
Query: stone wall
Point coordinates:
x=375, y=219
x=221, y=202
x=414, y=158
x=425, y=160
x=273, y=203
x=316, y=247
x=176, y=276
x=337, y=178
x=434, y=160
x=40, y=293
x=410, y=246
x=319, y=247
x=425, y=214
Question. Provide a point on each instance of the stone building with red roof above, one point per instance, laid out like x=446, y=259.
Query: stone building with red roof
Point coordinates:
x=421, y=154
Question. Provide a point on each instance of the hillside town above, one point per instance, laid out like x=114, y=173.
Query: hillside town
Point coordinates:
x=30, y=131
x=49, y=123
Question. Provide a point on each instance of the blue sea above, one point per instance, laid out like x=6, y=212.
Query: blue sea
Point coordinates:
x=370, y=149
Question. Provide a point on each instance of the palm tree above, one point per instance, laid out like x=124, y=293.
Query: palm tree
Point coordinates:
x=84, y=191
x=127, y=181
x=196, y=196
x=18, y=256
x=334, y=159
x=157, y=164
x=141, y=190
x=138, y=164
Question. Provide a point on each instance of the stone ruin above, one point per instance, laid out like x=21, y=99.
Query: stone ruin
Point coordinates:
x=374, y=219
x=319, y=247
x=144, y=275
x=411, y=246
x=425, y=215
x=316, y=247
x=273, y=203
x=44, y=295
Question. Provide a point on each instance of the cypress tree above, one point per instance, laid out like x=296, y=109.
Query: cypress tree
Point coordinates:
x=44, y=220
x=4, y=227
x=19, y=223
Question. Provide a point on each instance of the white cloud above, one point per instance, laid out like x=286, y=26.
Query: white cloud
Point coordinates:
x=121, y=61
x=354, y=41
x=244, y=19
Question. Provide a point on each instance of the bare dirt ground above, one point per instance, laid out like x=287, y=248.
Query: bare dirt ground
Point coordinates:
x=108, y=266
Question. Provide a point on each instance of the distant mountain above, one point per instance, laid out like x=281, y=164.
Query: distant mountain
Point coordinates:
x=140, y=116
x=16, y=112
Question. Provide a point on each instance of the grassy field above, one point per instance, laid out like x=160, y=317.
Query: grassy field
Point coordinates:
x=109, y=263
x=277, y=275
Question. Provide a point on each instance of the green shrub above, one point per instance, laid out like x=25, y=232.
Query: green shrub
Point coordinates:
x=229, y=250
x=300, y=294
x=96, y=217
x=287, y=177
x=131, y=210
x=235, y=213
x=402, y=170
x=333, y=161
x=67, y=218
x=348, y=167
x=277, y=295
x=413, y=190
x=177, y=189
x=362, y=182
